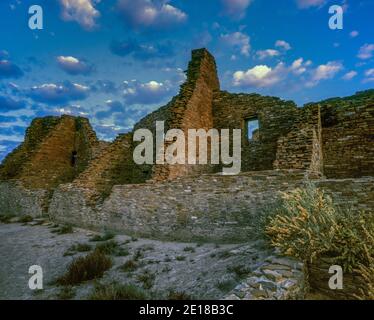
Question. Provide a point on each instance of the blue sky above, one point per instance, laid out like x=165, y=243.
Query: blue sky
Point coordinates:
x=114, y=61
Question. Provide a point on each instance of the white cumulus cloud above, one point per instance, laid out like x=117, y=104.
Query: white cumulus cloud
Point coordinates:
x=236, y=8
x=259, y=76
x=283, y=45
x=369, y=74
x=354, y=34
x=150, y=13
x=136, y=92
x=80, y=11
x=349, y=75
x=305, y=4
x=299, y=66
x=268, y=53
x=324, y=72
x=73, y=66
x=366, y=51
x=237, y=40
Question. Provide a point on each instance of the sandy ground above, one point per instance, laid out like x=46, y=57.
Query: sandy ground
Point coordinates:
x=199, y=271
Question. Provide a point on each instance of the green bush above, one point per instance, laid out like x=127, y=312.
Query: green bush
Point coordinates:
x=308, y=226
x=107, y=236
x=240, y=271
x=109, y=247
x=25, y=219
x=178, y=295
x=78, y=247
x=304, y=224
x=64, y=229
x=66, y=293
x=89, y=267
x=129, y=266
x=116, y=291
x=147, y=278
x=5, y=218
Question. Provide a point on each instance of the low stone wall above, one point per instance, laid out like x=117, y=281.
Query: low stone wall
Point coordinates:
x=16, y=200
x=318, y=278
x=278, y=278
x=355, y=193
x=210, y=207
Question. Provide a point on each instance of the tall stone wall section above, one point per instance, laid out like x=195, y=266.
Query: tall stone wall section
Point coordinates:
x=12, y=165
x=276, y=118
x=47, y=152
x=301, y=148
x=55, y=151
x=114, y=166
x=348, y=136
x=192, y=109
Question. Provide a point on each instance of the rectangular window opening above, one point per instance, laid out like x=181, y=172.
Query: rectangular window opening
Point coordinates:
x=253, y=129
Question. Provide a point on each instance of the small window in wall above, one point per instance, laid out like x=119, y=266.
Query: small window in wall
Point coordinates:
x=253, y=129
x=74, y=156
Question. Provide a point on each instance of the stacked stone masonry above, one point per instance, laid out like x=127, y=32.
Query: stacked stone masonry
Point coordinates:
x=62, y=169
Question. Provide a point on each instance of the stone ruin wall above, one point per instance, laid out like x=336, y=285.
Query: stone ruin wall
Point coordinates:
x=348, y=136
x=332, y=138
x=44, y=161
x=191, y=109
x=275, y=116
x=301, y=147
x=208, y=207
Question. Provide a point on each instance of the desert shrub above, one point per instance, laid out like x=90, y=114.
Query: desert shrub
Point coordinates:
x=240, y=271
x=367, y=273
x=308, y=226
x=64, y=229
x=224, y=254
x=226, y=285
x=147, y=278
x=304, y=224
x=139, y=254
x=178, y=295
x=89, y=267
x=180, y=258
x=129, y=266
x=66, y=293
x=25, y=219
x=109, y=247
x=189, y=249
x=105, y=237
x=78, y=247
x=5, y=218
x=115, y=291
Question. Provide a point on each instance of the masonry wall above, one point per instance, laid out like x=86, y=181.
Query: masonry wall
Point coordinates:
x=29, y=174
x=45, y=159
x=114, y=166
x=192, y=109
x=348, y=136
x=209, y=207
x=301, y=147
x=276, y=118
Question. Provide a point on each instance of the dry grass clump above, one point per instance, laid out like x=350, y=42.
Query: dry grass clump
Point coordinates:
x=89, y=267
